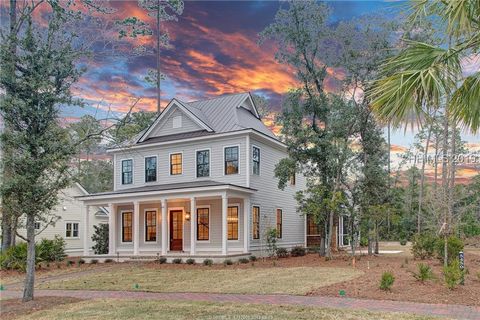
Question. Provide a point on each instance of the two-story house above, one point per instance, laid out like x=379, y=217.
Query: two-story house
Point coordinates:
x=200, y=182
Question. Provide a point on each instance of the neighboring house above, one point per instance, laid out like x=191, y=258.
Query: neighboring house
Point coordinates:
x=71, y=224
x=200, y=182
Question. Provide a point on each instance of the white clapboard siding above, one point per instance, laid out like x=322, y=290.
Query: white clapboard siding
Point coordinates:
x=166, y=127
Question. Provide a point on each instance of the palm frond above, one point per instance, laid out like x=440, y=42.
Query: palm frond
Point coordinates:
x=461, y=17
x=465, y=102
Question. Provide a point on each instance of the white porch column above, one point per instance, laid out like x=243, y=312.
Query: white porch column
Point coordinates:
x=136, y=227
x=246, y=224
x=224, y=223
x=85, y=230
x=164, y=226
x=112, y=227
x=193, y=229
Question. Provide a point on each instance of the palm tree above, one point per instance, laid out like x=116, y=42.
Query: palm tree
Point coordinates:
x=422, y=77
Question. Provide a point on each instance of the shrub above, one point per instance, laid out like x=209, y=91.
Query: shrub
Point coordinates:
x=424, y=272
x=454, y=246
x=94, y=261
x=252, y=258
x=423, y=246
x=108, y=260
x=282, y=253
x=80, y=262
x=403, y=242
x=452, y=274
x=387, y=281
x=190, y=261
x=14, y=258
x=51, y=250
x=271, y=241
x=162, y=260
x=243, y=260
x=297, y=251
x=100, y=238
x=314, y=249
x=70, y=263
x=228, y=262
x=207, y=262
x=177, y=261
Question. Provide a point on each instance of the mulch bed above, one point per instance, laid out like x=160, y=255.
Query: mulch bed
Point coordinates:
x=13, y=308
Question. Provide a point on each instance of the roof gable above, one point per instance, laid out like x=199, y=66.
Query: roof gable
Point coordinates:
x=175, y=119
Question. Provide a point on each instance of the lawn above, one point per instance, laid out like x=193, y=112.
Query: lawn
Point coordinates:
x=294, y=280
x=148, y=309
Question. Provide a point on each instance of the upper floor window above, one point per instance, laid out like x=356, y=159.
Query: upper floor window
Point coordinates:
x=203, y=163
x=176, y=164
x=150, y=169
x=256, y=222
x=127, y=171
x=256, y=160
x=232, y=223
x=203, y=223
x=231, y=160
x=279, y=223
x=71, y=230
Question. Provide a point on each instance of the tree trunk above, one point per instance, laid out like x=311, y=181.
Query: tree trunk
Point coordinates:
x=445, y=187
x=437, y=145
x=376, y=238
x=422, y=179
x=30, y=275
x=6, y=230
x=330, y=235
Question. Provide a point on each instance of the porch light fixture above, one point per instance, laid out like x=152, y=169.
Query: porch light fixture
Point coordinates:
x=187, y=216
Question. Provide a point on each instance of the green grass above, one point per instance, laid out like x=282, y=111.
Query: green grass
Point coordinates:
x=150, y=309
x=299, y=280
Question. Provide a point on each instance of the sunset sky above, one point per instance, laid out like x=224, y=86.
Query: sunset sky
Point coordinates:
x=214, y=50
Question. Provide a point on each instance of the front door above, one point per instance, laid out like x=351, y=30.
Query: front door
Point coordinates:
x=176, y=230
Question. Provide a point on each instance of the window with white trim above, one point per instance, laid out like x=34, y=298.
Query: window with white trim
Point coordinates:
x=127, y=171
x=151, y=169
x=231, y=160
x=203, y=163
x=71, y=230
x=256, y=160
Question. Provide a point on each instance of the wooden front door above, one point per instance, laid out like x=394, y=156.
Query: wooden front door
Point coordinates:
x=176, y=230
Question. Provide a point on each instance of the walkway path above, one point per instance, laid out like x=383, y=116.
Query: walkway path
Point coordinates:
x=441, y=310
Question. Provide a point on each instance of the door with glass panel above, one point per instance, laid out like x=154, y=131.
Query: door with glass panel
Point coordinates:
x=176, y=230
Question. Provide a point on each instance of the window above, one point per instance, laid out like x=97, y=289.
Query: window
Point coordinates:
x=312, y=227
x=256, y=160
x=279, y=223
x=232, y=223
x=231, y=160
x=203, y=223
x=256, y=222
x=127, y=226
x=175, y=163
x=37, y=225
x=150, y=169
x=71, y=230
x=203, y=163
x=127, y=171
x=150, y=225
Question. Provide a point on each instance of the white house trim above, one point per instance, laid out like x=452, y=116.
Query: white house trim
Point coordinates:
x=65, y=229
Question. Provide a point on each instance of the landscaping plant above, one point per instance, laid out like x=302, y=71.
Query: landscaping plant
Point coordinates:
x=453, y=274
x=228, y=262
x=243, y=260
x=454, y=246
x=252, y=258
x=297, y=251
x=190, y=261
x=424, y=272
x=177, y=261
x=271, y=236
x=282, y=253
x=423, y=245
x=387, y=281
x=100, y=238
x=208, y=262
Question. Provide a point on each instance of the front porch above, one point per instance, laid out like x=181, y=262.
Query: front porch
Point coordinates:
x=175, y=223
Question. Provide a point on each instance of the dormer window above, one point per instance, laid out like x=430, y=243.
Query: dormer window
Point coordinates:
x=177, y=122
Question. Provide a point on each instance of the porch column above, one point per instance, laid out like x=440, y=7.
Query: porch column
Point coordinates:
x=246, y=224
x=224, y=223
x=112, y=217
x=193, y=229
x=136, y=227
x=85, y=231
x=164, y=226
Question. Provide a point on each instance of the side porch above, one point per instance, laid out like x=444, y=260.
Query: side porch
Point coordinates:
x=205, y=222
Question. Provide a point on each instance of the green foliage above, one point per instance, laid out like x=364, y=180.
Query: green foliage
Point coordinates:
x=452, y=274
x=281, y=253
x=108, y=260
x=177, y=261
x=70, y=263
x=423, y=245
x=130, y=125
x=403, y=242
x=15, y=258
x=387, y=280
x=190, y=261
x=271, y=236
x=94, y=261
x=424, y=272
x=80, y=262
x=227, y=262
x=243, y=260
x=454, y=246
x=208, y=262
x=161, y=260
x=297, y=251
x=96, y=175
x=100, y=239
x=252, y=258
